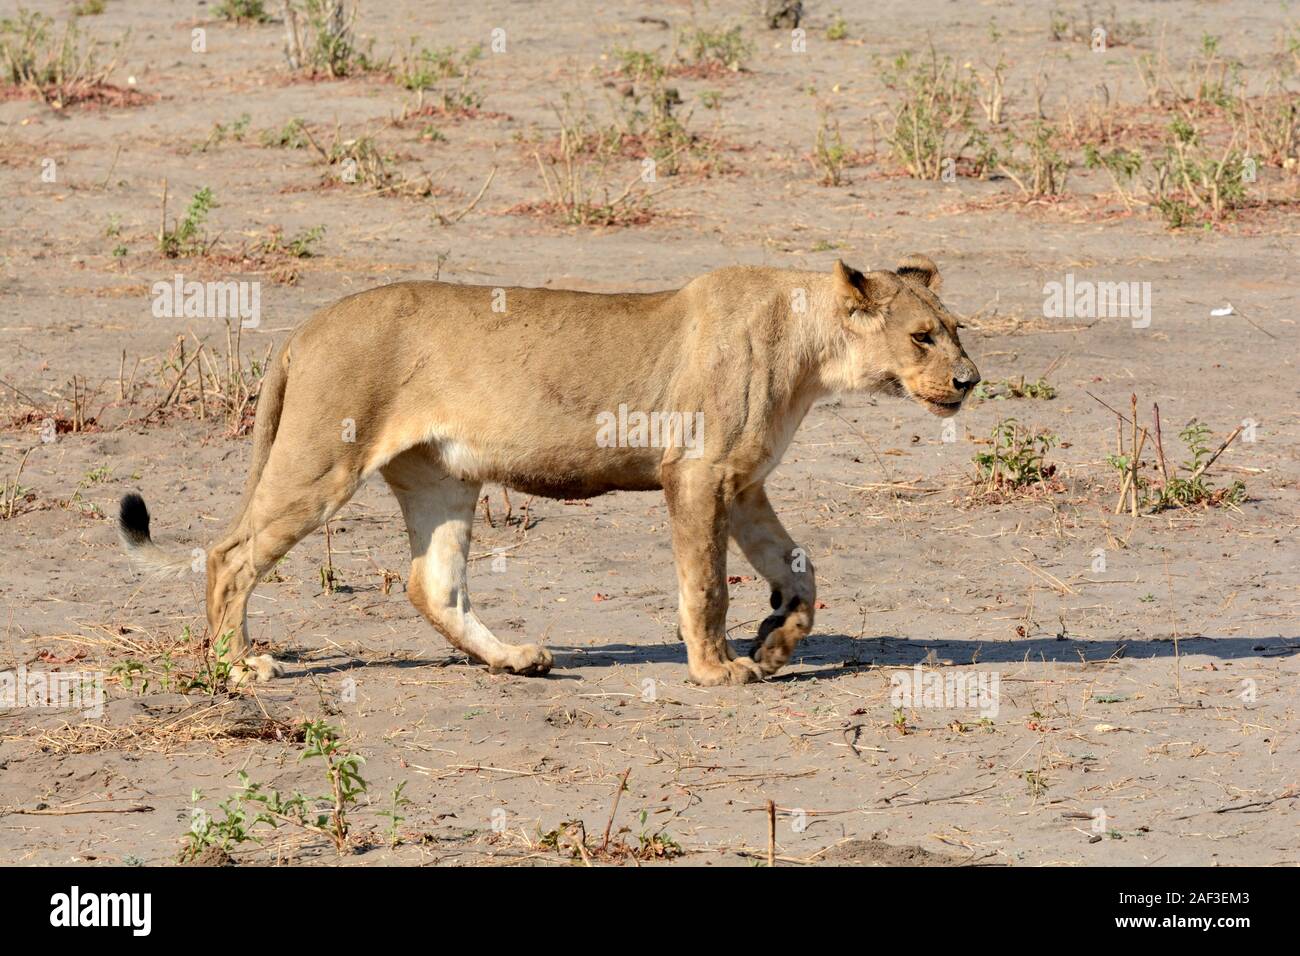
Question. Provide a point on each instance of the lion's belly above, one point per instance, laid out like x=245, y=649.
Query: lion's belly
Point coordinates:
x=554, y=471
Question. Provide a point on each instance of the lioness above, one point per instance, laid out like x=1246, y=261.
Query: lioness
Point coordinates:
x=441, y=388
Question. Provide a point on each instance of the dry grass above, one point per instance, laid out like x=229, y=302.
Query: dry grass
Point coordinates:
x=233, y=720
x=59, y=67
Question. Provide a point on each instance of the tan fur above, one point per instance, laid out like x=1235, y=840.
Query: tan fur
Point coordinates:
x=446, y=394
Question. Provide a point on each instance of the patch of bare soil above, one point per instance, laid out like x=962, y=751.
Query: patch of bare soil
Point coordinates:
x=1145, y=659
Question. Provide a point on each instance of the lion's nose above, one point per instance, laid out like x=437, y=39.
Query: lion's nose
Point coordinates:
x=968, y=377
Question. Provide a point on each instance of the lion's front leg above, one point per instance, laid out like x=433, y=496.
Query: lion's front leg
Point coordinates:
x=698, y=508
x=761, y=536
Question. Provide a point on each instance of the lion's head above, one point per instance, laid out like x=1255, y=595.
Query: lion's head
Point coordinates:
x=898, y=338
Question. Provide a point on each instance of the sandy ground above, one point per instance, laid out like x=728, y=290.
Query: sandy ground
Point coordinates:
x=1147, y=710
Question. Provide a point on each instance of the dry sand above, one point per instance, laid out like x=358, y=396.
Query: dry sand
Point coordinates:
x=1152, y=704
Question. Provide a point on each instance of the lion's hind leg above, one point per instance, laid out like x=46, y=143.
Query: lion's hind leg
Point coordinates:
x=439, y=513
x=291, y=500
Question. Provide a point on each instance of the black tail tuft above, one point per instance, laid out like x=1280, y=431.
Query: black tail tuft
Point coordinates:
x=133, y=519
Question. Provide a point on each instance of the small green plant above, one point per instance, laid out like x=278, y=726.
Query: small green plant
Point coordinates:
x=577, y=191
x=292, y=135
x=322, y=39
x=649, y=119
x=1194, y=185
x=213, y=676
x=343, y=769
x=359, y=161
x=932, y=129
x=639, y=66
x=1217, y=79
x=1195, y=488
x=900, y=720
x=1016, y=460
x=233, y=829
x=830, y=154
x=394, y=814
x=570, y=838
x=445, y=71
x=1187, y=485
x=646, y=121
x=299, y=246
x=1123, y=464
x=1083, y=27
x=60, y=68
x=188, y=238
x=1121, y=165
x=222, y=131
x=711, y=50
x=130, y=672
x=992, y=99
x=1015, y=388
x=1033, y=164
x=243, y=11
x=161, y=672
x=657, y=845
x=1269, y=126
x=93, y=477
x=253, y=804
x=1036, y=782
x=165, y=668
x=1058, y=25
x=250, y=806
x=838, y=30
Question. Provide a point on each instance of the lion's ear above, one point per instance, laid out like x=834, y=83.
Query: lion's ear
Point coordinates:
x=922, y=269
x=864, y=293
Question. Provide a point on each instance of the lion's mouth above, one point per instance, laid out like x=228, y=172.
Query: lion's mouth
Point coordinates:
x=942, y=409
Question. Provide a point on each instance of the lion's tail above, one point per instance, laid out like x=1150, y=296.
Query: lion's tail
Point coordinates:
x=133, y=530
x=133, y=513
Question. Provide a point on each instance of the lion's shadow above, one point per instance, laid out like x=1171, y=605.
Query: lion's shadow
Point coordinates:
x=826, y=656
x=829, y=655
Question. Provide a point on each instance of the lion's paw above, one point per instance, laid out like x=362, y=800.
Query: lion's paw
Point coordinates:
x=527, y=660
x=742, y=670
x=779, y=634
x=259, y=669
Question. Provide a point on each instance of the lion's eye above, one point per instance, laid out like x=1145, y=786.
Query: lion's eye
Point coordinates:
x=922, y=338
